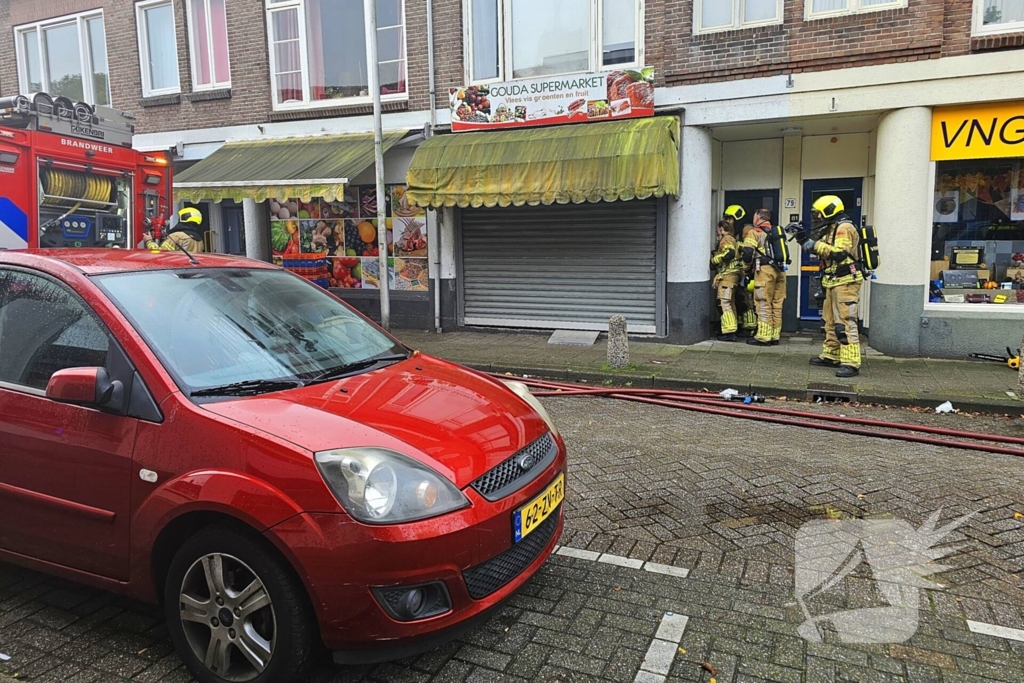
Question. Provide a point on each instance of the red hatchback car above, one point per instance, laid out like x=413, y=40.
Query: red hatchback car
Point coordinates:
x=222, y=436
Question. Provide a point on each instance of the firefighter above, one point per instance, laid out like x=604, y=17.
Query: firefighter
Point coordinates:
x=841, y=279
x=186, y=233
x=769, y=281
x=725, y=260
x=734, y=213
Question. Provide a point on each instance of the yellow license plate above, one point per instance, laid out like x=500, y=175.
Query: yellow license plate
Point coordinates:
x=530, y=516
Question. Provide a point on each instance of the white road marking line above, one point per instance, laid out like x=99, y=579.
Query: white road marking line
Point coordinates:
x=619, y=561
x=667, y=569
x=997, y=631
x=662, y=652
x=579, y=554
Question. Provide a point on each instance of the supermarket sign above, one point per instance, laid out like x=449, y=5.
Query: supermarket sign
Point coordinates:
x=577, y=98
x=980, y=131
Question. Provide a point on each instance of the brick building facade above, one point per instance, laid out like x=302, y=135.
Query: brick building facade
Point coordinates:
x=772, y=110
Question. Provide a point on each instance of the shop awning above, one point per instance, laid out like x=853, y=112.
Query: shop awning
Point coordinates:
x=587, y=162
x=294, y=168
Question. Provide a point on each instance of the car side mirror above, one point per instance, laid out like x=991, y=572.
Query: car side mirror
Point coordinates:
x=86, y=387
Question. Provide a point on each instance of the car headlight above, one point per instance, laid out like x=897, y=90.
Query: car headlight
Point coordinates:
x=380, y=486
x=523, y=392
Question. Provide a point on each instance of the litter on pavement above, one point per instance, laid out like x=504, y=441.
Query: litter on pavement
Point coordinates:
x=946, y=407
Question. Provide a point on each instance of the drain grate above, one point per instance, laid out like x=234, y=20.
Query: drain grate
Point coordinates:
x=830, y=392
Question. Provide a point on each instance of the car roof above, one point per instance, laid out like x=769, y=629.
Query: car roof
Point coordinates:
x=103, y=261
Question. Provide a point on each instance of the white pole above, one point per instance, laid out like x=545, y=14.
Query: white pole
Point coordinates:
x=373, y=67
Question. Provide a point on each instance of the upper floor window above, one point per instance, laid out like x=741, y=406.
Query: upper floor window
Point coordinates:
x=318, y=52
x=158, y=47
x=998, y=16
x=819, y=9
x=509, y=39
x=727, y=15
x=64, y=56
x=208, y=40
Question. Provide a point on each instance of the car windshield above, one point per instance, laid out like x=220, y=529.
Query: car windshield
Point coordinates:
x=262, y=328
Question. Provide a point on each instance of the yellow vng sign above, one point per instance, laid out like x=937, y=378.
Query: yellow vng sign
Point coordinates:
x=985, y=131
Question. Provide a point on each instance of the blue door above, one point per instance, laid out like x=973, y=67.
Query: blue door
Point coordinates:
x=847, y=189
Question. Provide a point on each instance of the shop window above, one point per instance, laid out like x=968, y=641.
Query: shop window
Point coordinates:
x=998, y=16
x=819, y=9
x=318, y=52
x=335, y=243
x=208, y=42
x=534, y=38
x=977, y=251
x=51, y=57
x=158, y=48
x=718, y=15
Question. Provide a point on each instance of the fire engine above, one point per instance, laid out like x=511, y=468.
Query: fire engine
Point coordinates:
x=70, y=178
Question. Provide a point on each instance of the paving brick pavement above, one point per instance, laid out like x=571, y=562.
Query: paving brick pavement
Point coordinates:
x=716, y=496
x=716, y=365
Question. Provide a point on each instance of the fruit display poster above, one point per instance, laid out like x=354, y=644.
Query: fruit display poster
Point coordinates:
x=578, y=98
x=344, y=232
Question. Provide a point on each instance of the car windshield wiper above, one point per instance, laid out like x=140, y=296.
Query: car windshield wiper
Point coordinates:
x=348, y=368
x=249, y=387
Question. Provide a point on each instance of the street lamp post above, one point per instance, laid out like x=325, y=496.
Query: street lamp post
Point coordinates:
x=373, y=67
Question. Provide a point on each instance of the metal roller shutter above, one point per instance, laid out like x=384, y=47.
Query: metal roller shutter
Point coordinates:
x=562, y=266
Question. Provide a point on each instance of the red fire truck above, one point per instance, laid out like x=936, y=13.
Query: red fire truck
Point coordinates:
x=70, y=178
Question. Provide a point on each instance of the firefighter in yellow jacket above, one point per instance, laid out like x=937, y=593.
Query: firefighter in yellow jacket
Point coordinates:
x=769, y=281
x=839, y=250
x=728, y=269
x=186, y=233
x=744, y=296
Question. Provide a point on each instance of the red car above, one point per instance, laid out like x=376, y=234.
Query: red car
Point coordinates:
x=222, y=436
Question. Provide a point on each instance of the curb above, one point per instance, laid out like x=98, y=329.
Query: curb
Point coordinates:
x=991, y=407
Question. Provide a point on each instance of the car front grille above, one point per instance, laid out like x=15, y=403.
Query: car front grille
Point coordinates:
x=485, y=578
x=508, y=477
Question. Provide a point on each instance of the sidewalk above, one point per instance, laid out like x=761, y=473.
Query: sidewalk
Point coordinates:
x=774, y=371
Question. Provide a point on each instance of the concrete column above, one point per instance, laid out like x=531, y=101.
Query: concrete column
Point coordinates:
x=447, y=283
x=903, y=219
x=257, y=229
x=690, y=241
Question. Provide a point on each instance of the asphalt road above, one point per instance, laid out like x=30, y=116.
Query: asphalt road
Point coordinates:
x=678, y=563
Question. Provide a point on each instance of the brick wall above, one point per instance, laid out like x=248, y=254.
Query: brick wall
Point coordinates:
x=926, y=29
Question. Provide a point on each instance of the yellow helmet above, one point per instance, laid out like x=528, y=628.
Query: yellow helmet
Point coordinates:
x=735, y=211
x=190, y=215
x=828, y=207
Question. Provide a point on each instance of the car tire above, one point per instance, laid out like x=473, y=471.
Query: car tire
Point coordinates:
x=252, y=625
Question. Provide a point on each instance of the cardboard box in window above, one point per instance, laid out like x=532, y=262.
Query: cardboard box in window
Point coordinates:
x=1014, y=273
x=937, y=268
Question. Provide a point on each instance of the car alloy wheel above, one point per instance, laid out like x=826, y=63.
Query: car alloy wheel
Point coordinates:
x=227, y=617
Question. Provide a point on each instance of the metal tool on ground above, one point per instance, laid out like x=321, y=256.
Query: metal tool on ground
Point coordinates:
x=713, y=404
x=1012, y=360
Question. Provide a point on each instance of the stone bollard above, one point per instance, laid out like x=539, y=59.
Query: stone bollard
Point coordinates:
x=618, y=342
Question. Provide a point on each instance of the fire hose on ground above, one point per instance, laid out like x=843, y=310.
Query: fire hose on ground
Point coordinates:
x=713, y=404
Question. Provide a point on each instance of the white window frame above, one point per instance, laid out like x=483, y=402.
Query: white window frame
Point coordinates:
x=852, y=7
x=214, y=84
x=505, y=42
x=84, y=58
x=739, y=8
x=272, y=6
x=140, y=24
x=979, y=29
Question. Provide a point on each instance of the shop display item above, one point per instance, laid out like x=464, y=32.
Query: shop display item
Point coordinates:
x=966, y=257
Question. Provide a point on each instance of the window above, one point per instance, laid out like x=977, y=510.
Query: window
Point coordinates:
x=158, y=48
x=727, y=15
x=998, y=16
x=817, y=9
x=978, y=232
x=318, y=52
x=64, y=56
x=44, y=328
x=509, y=39
x=208, y=42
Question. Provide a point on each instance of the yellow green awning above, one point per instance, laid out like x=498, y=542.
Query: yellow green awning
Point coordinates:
x=293, y=168
x=589, y=162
